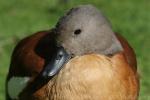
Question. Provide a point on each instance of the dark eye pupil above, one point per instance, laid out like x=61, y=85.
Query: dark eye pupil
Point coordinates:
x=77, y=32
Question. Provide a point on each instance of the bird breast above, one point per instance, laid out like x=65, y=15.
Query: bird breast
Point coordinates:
x=94, y=77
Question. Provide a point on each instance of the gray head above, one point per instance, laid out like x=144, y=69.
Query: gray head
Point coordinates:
x=84, y=29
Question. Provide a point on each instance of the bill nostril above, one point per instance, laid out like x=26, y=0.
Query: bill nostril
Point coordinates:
x=59, y=56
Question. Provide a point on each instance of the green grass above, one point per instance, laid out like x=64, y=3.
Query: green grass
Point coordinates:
x=131, y=18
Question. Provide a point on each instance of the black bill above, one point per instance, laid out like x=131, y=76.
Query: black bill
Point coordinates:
x=57, y=62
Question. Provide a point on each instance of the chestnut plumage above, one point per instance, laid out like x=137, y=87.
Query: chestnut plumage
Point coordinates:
x=80, y=59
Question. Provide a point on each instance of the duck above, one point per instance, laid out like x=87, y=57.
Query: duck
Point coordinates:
x=81, y=58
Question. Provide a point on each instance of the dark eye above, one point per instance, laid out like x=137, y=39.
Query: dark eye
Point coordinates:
x=77, y=32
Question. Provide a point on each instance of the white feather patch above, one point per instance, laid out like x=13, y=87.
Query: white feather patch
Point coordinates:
x=16, y=86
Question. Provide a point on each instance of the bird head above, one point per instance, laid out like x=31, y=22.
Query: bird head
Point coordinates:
x=84, y=29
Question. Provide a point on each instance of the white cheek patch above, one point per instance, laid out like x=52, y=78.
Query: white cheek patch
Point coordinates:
x=16, y=85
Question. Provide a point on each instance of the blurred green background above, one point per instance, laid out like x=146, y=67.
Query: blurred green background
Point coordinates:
x=131, y=18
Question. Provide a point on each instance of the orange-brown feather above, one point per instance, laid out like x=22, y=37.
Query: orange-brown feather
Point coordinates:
x=88, y=77
x=128, y=51
x=93, y=77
